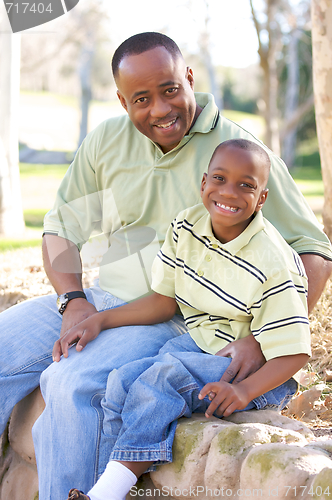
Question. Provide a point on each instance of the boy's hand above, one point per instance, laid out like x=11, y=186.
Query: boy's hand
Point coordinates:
x=225, y=397
x=247, y=358
x=83, y=333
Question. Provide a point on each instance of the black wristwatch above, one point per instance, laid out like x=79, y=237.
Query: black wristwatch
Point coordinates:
x=63, y=299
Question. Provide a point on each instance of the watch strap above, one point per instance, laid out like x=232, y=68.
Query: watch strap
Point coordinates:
x=75, y=295
x=64, y=298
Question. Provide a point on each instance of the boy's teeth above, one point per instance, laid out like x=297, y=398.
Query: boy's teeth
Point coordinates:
x=225, y=207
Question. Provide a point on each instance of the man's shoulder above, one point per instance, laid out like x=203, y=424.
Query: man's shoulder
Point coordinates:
x=275, y=254
x=191, y=215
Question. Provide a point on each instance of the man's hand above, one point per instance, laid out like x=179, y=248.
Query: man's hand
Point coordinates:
x=226, y=398
x=247, y=358
x=76, y=311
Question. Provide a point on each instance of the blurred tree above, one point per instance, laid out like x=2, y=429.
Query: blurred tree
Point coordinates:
x=11, y=213
x=321, y=12
x=75, y=61
x=279, y=26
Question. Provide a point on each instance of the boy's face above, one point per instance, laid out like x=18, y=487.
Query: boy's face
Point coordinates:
x=233, y=189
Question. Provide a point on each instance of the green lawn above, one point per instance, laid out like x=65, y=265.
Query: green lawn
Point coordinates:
x=45, y=178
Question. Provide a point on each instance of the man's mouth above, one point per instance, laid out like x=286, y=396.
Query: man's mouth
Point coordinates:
x=227, y=207
x=166, y=125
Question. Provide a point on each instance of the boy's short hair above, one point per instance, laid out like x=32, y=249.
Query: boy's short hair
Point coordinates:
x=137, y=44
x=249, y=146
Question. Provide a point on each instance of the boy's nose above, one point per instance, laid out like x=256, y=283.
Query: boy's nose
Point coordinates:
x=228, y=190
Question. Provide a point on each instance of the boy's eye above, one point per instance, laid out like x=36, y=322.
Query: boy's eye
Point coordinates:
x=248, y=186
x=218, y=177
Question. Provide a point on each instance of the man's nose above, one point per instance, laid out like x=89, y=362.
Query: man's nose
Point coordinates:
x=160, y=108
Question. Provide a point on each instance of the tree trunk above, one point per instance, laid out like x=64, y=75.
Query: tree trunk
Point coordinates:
x=11, y=213
x=321, y=14
x=85, y=71
x=292, y=99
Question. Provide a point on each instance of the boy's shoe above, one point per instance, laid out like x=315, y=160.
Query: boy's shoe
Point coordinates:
x=75, y=494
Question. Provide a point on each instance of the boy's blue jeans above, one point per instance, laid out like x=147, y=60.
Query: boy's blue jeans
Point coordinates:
x=145, y=398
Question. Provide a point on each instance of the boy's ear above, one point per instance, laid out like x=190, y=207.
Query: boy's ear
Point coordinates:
x=203, y=183
x=262, y=200
x=122, y=100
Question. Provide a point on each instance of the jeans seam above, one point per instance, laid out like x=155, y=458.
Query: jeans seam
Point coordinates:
x=100, y=415
x=23, y=367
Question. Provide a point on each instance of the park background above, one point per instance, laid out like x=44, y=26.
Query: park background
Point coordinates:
x=255, y=56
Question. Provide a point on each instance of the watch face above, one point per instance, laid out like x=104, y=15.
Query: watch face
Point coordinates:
x=61, y=302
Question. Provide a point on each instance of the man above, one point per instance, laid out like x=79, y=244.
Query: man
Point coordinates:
x=130, y=178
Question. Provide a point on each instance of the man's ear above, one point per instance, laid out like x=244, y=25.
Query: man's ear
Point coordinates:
x=203, y=183
x=190, y=77
x=122, y=100
x=262, y=200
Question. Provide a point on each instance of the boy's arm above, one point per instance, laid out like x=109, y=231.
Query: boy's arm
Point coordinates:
x=149, y=310
x=228, y=397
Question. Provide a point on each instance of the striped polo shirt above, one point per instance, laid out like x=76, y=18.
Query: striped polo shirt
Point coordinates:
x=255, y=283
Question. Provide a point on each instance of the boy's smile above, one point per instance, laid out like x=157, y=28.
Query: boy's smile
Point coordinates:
x=233, y=190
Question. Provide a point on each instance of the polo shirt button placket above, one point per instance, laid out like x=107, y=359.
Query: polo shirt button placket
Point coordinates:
x=208, y=257
x=215, y=246
x=200, y=273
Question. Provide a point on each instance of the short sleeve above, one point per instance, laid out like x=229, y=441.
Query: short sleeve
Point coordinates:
x=280, y=319
x=77, y=210
x=164, y=265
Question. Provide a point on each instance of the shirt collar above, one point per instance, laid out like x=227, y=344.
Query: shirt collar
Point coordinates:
x=204, y=228
x=206, y=121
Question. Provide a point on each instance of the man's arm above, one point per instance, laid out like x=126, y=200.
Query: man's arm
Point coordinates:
x=61, y=256
x=318, y=271
x=149, y=310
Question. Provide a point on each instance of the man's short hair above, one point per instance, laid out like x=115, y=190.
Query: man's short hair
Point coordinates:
x=249, y=146
x=137, y=44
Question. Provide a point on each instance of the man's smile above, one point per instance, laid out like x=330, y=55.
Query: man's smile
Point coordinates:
x=166, y=125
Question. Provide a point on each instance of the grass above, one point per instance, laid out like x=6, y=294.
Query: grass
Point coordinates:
x=307, y=175
x=31, y=170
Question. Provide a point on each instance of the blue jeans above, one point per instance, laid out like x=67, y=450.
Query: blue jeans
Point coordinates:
x=145, y=398
x=67, y=441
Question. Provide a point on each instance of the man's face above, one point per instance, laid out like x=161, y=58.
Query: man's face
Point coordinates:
x=233, y=189
x=157, y=91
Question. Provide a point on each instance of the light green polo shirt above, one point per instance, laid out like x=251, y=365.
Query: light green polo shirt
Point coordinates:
x=253, y=284
x=120, y=183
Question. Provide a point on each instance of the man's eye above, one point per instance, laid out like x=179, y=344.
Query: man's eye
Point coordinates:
x=141, y=99
x=171, y=90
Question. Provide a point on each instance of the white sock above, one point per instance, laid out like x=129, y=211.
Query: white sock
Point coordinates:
x=114, y=483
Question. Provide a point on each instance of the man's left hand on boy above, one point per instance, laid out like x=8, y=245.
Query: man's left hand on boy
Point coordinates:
x=242, y=365
x=226, y=398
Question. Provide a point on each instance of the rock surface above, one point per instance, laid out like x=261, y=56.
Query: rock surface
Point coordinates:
x=250, y=454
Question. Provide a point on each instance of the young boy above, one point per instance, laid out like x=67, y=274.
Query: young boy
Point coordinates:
x=232, y=275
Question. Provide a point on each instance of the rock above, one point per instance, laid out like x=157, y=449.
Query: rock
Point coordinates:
x=23, y=417
x=20, y=482
x=190, y=450
x=270, y=417
x=282, y=469
x=230, y=447
x=321, y=486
